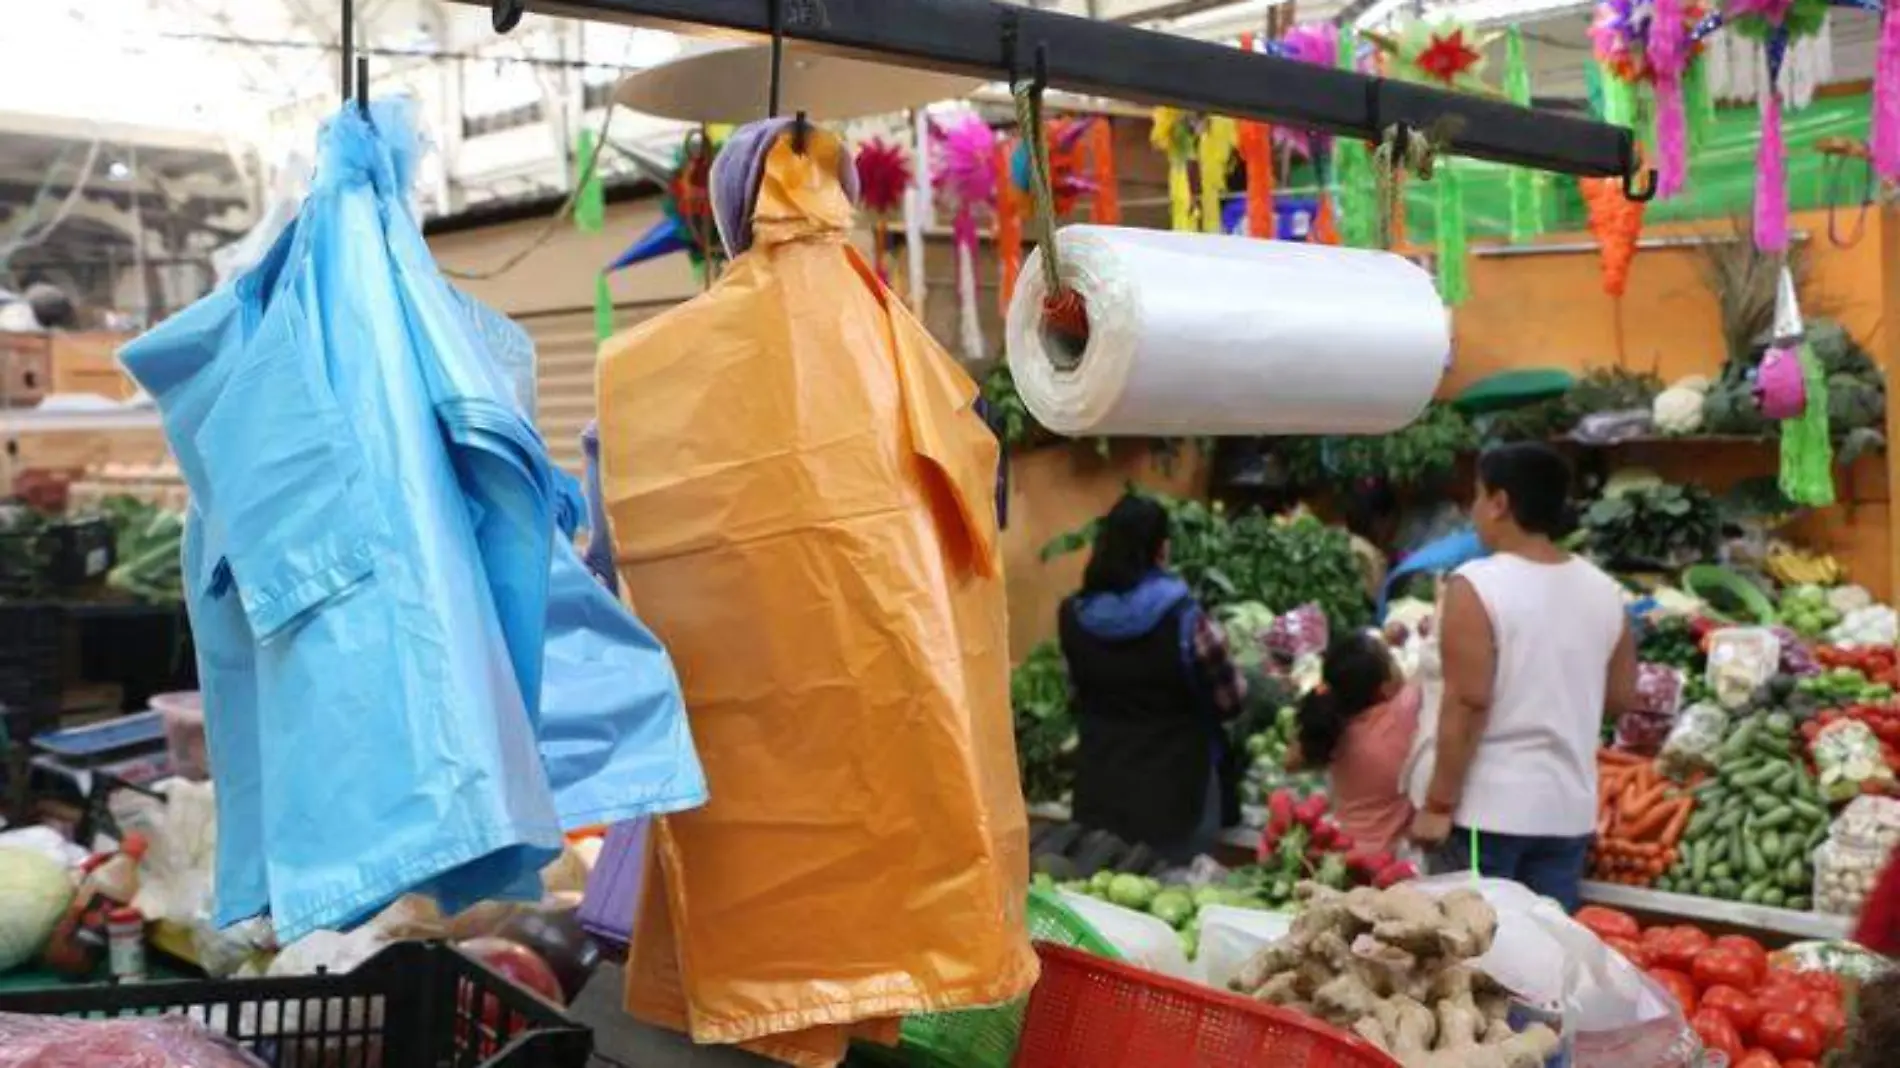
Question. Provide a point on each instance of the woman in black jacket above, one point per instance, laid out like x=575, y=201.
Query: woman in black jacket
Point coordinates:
x=1152, y=682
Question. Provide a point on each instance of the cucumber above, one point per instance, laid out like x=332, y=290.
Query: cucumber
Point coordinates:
x=1751, y=894
x=1699, y=861
x=1666, y=884
x=1757, y=777
x=1783, y=786
x=1709, y=792
x=1779, y=723
x=1728, y=889
x=1794, y=874
x=1757, y=863
x=1737, y=743
x=1699, y=823
x=1799, y=903
x=1722, y=872
x=1815, y=836
x=1731, y=819
x=1779, y=818
x=1774, y=898
x=1764, y=803
x=1770, y=845
x=1807, y=809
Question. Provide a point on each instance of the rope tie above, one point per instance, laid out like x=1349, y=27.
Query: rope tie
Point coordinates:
x=1062, y=309
x=1402, y=151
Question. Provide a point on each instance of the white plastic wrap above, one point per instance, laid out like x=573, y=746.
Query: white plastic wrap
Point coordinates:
x=1230, y=937
x=1197, y=334
x=1141, y=939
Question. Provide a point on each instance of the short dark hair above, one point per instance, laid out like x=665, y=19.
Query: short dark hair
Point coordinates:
x=1356, y=669
x=1127, y=544
x=1535, y=479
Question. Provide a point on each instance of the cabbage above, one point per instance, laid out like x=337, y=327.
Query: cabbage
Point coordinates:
x=37, y=892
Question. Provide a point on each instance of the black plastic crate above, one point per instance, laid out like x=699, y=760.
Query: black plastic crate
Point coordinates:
x=412, y=1005
x=32, y=645
x=63, y=554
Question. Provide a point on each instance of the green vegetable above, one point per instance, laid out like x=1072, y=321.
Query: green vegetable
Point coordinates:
x=1173, y=907
x=1046, y=736
x=1131, y=891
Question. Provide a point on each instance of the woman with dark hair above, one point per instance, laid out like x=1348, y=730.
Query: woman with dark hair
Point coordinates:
x=1358, y=725
x=1152, y=683
x=1536, y=651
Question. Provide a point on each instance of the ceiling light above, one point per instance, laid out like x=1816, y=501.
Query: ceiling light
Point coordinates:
x=118, y=171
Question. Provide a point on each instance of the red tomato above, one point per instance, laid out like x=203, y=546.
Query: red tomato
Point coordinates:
x=1722, y=967
x=1824, y=1011
x=1608, y=923
x=1748, y=949
x=1680, y=987
x=1786, y=1035
x=1632, y=950
x=1717, y=1032
x=1679, y=947
x=1745, y=1011
x=1757, y=1058
x=1825, y=982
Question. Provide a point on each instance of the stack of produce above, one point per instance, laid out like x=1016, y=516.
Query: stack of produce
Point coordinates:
x=1392, y=966
x=1806, y=610
x=1858, y=848
x=1641, y=817
x=1758, y=1013
x=1756, y=822
x=1301, y=841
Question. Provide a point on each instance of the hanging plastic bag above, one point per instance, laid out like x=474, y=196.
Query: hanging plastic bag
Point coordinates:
x=1741, y=661
x=803, y=511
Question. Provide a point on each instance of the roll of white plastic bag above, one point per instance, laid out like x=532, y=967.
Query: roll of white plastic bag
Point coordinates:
x=1204, y=334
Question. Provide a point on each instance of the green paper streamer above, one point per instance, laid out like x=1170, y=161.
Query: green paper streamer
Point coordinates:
x=1454, y=277
x=1526, y=199
x=603, y=308
x=1356, y=198
x=1807, y=450
x=1698, y=104
x=1619, y=99
x=590, y=207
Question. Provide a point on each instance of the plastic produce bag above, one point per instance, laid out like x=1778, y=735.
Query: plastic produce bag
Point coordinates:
x=1847, y=758
x=1230, y=937
x=1614, y=1016
x=1741, y=661
x=1299, y=633
x=1141, y=939
x=1694, y=739
x=800, y=496
x=135, y=1042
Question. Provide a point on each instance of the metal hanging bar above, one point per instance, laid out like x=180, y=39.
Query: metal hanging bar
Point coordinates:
x=1139, y=66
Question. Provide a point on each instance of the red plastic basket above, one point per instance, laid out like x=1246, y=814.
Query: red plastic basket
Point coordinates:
x=1088, y=1012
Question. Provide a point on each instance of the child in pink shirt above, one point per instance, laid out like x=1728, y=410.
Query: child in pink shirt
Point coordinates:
x=1359, y=726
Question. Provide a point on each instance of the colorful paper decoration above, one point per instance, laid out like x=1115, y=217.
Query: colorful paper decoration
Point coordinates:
x=1526, y=184
x=1442, y=51
x=1884, y=139
x=1617, y=223
x=1654, y=47
x=1106, y=208
x=1172, y=135
x=1009, y=227
x=963, y=165
x=884, y=179
x=1316, y=43
x=1354, y=219
x=1256, y=157
x=1219, y=137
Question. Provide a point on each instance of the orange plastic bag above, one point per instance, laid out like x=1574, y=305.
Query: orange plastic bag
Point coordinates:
x=801, y=496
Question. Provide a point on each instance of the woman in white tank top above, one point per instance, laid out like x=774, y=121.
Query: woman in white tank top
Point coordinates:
x=1536, y=651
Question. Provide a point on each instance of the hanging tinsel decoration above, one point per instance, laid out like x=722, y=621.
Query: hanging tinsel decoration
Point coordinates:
x=964, y=169
x=1256, y=159
x=1885, y=122
x=1617, y=223
x=1009, y=226
x=1780, y=26
x=884, y=178
x=1219, y=137
x=1317, y=43
x=1106, y=207
x=1173, y=136
x=1441, y=52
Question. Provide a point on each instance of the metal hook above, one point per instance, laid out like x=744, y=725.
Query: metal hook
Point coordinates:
x=1642, y=195
x=505, y=15
x=362, y=85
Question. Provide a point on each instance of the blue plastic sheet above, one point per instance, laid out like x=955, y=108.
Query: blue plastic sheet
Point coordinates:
x=375, y=582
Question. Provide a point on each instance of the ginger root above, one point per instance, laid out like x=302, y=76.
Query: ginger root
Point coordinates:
x=1458, y=1024
x=1474, y=924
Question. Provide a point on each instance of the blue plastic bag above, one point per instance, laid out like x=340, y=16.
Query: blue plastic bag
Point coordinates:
x=369, y=559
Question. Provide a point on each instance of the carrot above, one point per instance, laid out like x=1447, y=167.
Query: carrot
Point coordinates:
x=1650, y=821
x=1678, y=822
x=1638, y=805
x=1616, y=756
x=1647, y=776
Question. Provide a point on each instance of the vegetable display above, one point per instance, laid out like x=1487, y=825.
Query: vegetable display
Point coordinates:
x=1045, y=729
x=150, y=550
x=1641, y=819
x=1756, y=822
x=1738, y=999
x=1392, y=966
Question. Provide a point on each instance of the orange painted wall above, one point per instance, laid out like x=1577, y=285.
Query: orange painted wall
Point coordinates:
x=1549, y=310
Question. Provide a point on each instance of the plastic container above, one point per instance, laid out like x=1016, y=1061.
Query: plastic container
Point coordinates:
x=125, y=944
x=986, y=1038
x=1105, y=1014
x=413, y=1005
x=116, y=878
x=184, y=715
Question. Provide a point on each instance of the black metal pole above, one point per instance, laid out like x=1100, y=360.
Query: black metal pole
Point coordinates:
x=1146, y=67
x=348, y=47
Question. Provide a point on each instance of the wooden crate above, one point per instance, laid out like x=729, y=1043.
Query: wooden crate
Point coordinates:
x=88, y=363
x=25, y=369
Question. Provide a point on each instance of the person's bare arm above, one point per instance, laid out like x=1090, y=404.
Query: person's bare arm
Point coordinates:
x=1468, y=650
x=1619, y=695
